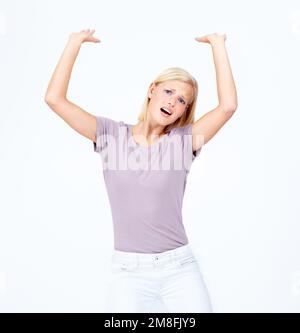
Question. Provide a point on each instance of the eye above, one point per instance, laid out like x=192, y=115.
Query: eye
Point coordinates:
x=181, y=100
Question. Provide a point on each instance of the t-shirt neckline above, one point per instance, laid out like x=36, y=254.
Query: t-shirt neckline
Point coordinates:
x=145, y=147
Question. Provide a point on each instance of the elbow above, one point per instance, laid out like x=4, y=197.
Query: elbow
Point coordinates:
x=47, y=101
x=50, y=100
x=231, y=108
x=229, y=111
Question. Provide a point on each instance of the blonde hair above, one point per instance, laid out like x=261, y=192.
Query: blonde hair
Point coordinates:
x=179, y=74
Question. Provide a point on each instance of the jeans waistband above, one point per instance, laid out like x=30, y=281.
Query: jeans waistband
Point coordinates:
x=170, y=255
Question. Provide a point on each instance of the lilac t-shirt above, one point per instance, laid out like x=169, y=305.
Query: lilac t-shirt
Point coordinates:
x=145, y=185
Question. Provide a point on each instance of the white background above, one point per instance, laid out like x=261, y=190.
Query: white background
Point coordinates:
x=241, y=202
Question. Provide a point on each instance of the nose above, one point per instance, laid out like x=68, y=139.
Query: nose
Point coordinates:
x=171, y=103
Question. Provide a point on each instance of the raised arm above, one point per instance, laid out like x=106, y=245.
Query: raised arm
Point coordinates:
x=209, y=124
x=56, y=95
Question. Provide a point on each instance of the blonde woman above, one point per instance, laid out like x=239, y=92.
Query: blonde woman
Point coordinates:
x=145, y=167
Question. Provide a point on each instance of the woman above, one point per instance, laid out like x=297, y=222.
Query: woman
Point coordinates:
x=152, y=258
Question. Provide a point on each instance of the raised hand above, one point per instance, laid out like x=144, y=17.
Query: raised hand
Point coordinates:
x=211, y=37
x=85, y=36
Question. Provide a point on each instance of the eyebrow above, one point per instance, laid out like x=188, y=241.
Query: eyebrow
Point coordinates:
x=180, y=95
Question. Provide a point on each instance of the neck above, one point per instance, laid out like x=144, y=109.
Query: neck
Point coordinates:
x=148, y=129
x=147, y=134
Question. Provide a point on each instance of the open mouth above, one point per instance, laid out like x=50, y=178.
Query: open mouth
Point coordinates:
x=165, y=112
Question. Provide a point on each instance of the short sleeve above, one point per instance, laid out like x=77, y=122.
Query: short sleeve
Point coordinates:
x=187, y=130
x=106, y=129
x=185, y=133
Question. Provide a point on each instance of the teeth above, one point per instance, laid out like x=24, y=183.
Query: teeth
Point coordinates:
x=167, y=111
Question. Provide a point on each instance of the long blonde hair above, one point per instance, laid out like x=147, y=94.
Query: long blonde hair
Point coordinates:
x=179, y=74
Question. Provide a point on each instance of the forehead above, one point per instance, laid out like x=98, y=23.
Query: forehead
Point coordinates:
x=181, y=88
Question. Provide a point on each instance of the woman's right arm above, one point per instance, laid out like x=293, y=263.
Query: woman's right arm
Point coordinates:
x=56, y=95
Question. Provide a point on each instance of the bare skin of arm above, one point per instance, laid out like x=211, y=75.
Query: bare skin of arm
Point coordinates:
x=76, y=117
x=210, y=123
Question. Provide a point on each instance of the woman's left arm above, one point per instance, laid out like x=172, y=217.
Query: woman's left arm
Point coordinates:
x=225, y=84
x=210, y=123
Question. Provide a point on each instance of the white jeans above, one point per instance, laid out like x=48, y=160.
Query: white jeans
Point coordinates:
x=173, y=277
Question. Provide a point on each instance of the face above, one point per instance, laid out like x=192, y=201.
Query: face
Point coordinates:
x=175, y=96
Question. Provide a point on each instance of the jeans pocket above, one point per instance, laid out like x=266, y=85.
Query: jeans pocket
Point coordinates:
x=187, y=261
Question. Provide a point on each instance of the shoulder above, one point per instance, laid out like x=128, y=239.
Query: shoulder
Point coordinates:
x=109, y=121
x=182, y=130
x=107, y=124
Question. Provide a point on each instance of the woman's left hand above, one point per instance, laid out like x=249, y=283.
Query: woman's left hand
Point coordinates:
x=211, y=37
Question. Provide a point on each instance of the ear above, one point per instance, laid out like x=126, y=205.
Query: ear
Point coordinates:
x=151, y=88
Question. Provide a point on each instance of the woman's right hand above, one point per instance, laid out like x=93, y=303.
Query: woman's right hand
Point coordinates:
x=85, y=36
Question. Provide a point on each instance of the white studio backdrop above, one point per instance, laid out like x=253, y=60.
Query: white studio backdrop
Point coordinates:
x=240, y=208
